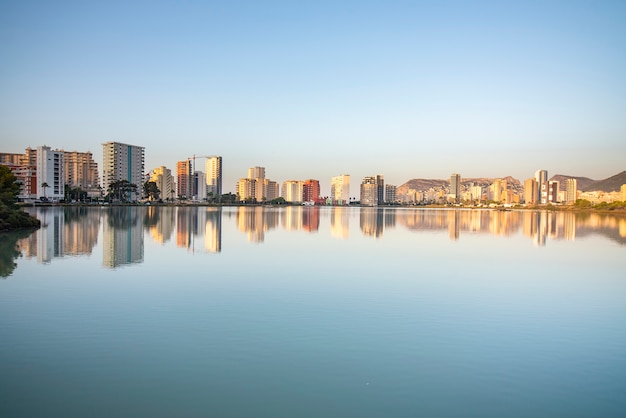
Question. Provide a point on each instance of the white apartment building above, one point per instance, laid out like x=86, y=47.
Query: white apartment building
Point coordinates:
x=50, y=176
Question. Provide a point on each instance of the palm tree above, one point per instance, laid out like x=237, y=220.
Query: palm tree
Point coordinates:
x=44, y=185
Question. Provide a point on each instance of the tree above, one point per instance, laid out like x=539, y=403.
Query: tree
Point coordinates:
x=151, y=190
x=44, y=185
x=9, y=188
x=121, y=190
x=11, y=216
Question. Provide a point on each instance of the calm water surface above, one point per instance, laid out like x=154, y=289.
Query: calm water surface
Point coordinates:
x=313, y=312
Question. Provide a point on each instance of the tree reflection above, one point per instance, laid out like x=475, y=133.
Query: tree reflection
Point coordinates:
x=10, y=250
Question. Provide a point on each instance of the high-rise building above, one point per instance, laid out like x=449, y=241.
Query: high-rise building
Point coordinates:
x=531, y=191
x=162, y=176
x=340, y=189
x=542, y=186
x=391, y=194
x=214, y=176
x=380, y=182
x=293, y=191
x=81, y=170
x=184, y=179
x=571, y=189
x=122, y=162
x=271, y=189
x=260, y=191
x=311, y=190
x=246, y=189
x=499, y=191
x=199, y=185
x=369, y=191
x=455, y=187
x=50, y=176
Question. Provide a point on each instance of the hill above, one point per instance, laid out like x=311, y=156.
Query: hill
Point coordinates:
x=582, y=181
x=426, y=184
x=611, y=184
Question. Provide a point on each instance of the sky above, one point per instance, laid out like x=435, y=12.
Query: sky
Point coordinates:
x=316, y=89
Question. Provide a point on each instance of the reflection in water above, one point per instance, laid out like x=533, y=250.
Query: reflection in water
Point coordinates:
x=340, y=222
x=123, y=236
x=11, y=249
x=74, y=230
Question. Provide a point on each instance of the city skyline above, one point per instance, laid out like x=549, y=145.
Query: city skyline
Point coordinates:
x=407, y=90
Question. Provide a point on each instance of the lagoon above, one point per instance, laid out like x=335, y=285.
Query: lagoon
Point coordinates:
x=314, y=311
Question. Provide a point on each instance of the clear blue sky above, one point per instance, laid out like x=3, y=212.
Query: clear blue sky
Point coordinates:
x=406, y=89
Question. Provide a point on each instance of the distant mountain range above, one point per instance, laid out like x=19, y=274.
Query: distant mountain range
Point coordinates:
x=426, y=184
x=585, y=184
x=611, y=184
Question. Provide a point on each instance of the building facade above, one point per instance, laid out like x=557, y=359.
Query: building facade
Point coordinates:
x=293, y=191
x=455, y=187
x=50, y=175
x=340, y=189
x=122, y=162
x=369, y=191
x=184, y=179
x=162, y=176
x=311, y=190
x=81, y=171
x=571, y=191
x=213, y=169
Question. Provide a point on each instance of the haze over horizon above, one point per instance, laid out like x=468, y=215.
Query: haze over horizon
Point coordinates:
x=403, y=89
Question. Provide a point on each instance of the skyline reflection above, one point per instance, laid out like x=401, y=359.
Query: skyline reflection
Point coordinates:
x=74, y=231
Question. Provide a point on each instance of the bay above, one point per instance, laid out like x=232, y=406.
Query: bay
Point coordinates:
x=314, y=311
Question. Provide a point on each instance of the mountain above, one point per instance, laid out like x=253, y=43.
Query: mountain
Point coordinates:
x=582, y=182
x=611, y=184
x=426, y=184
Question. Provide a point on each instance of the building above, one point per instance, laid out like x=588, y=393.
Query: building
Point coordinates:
x=271, y=189
x=311, y=190
x=246, y=189
x=184, y=179
x=199, y=185
x=258, y=174
x=542, y=186
x=553, y=192
x=293, y=191
x=455, y=187
x=380, y=182
x=214, y=177
x=476, y=193
x=340, y=189
x=50, y=176
x=369, y=191
x=531, y=191
x=391, y=193
x=499, y=191
x=623, y=190
x=571, y=191
x=122, y=162
x=81, y=171
x=162, y=176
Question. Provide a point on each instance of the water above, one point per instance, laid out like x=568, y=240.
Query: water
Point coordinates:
x=309, y=312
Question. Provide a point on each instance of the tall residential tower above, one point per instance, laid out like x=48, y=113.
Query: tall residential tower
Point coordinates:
x=122, y=162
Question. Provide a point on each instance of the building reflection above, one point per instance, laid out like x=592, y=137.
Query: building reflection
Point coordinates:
x=340, y=222
x=122, y=234
x=67, y=231
x=199, y=228
x=74, y=230
x=371, y=221
x=255, y=221
x=160, y=222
